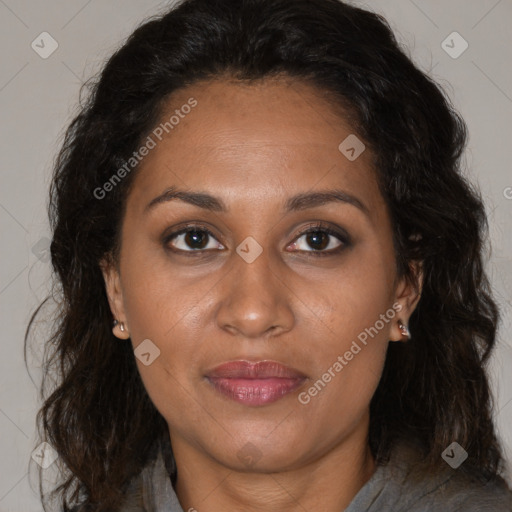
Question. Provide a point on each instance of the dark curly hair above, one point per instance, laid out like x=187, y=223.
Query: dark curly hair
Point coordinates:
x=434, y=390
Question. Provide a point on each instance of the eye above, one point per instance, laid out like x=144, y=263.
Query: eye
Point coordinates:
x=324, y=240
x=192, y=239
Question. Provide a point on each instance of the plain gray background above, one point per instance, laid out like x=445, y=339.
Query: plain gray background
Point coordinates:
x=38, y=97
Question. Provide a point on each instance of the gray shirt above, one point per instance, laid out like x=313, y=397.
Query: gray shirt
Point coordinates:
x=398, y=486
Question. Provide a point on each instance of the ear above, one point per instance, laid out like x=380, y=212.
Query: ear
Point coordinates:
x=407, y=296
x=114, y=292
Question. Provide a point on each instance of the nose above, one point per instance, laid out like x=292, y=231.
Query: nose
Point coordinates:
x=255, y=301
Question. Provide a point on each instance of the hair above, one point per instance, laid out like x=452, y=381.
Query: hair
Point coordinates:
x=434, y=390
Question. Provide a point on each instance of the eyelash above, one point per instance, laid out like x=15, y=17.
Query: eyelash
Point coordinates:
x=318, y=227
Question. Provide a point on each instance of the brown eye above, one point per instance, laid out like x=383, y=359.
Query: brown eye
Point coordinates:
x=321, y=241
x=192, y=239
x=196, y=239
x=318, y=240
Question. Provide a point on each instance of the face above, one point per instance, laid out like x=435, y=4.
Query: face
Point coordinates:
x=258, y=273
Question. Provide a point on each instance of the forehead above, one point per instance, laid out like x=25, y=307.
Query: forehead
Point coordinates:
x=259, y=142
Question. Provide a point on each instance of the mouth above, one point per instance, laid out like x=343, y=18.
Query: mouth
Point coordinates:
x=255, y=384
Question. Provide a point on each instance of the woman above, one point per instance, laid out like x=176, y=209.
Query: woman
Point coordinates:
x=273, y=293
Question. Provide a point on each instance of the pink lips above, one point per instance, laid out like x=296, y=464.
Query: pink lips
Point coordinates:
x=255, y=383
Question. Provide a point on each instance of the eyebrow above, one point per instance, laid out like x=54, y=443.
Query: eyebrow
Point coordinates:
x=298, y=202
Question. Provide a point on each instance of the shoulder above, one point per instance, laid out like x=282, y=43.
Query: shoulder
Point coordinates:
x=403, y=485
x=152, y=488
x=448, y=490
x=460, y=492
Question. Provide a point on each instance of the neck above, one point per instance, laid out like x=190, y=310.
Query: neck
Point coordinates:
x=327, y=483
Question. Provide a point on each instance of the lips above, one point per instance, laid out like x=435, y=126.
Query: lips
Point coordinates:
x=259, y=370
x=254, y=383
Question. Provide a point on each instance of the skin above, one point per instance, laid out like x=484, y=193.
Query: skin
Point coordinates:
x=254, y=146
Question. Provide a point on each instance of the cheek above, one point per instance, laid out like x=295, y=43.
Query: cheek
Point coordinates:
x=355, y=305
x=168, y=309
x=341, y=390
x=356, y=316
x=167, y=319
x=157, y=298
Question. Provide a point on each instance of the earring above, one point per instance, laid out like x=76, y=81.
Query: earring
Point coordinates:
x=121, y=325
x=404, y=329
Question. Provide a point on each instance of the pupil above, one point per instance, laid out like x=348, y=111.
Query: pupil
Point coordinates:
x=313, y=238
x=196, y=237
